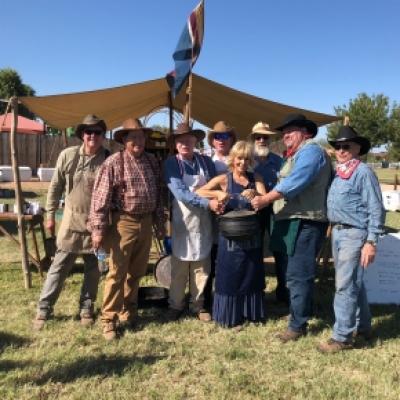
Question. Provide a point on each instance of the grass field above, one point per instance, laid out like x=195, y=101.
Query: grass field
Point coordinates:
x=186, y=359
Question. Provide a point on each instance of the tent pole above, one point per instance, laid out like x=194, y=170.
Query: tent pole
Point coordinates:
x=188, y=105
x=64, y=137
x=171, y=121
x=346, y=120
x=18, y=194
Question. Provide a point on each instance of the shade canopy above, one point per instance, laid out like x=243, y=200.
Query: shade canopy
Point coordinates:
x=25, y=125
x=211, y=102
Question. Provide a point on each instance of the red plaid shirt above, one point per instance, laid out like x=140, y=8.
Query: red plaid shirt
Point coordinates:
x=142, y=193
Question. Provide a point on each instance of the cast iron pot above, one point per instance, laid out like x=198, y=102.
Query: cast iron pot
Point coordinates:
x=239, y=225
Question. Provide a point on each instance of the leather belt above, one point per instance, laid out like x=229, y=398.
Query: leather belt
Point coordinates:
x=339, y=226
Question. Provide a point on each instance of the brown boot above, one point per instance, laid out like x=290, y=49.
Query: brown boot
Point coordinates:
x=39, y=322
x=109, y=331
x=204, y=316
x=289, y=335
x=87, y=319
x=333, y=346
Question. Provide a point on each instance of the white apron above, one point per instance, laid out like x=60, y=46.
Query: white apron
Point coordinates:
x=191, y=226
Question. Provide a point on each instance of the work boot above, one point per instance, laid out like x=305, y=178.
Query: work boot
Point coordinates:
x=87, y=318
x=290, y=335
x=366, y=335
x=172, y=314
x=39, y=322
x=204, y=316
x=109, y=331
x=334, y=346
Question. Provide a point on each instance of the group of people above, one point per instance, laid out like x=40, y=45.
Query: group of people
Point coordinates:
x=113, y=201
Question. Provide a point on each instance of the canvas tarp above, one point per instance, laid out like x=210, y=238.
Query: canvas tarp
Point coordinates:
x=211, y=102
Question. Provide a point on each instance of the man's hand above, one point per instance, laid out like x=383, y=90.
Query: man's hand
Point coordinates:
x=51, y=226
x=249, y=194
x=216, y=206
x=97, y=239
x=259, y=202
x=368, y=253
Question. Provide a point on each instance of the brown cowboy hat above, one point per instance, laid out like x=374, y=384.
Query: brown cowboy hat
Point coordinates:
x=184, y=128
x=262, y=128
x=221, y=127
x=90, y=120
x=130, y=124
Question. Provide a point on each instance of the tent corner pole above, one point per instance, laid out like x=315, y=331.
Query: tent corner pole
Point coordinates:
x=18, y=194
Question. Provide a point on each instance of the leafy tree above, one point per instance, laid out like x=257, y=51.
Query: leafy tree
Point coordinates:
x=11, y=85
x=372, y=117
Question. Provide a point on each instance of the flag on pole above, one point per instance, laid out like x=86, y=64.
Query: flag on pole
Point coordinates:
x=188, y=49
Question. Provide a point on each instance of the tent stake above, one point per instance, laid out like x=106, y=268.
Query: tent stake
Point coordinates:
x=18, y=194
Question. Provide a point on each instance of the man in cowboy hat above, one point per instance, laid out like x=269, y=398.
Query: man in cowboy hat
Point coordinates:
x=74, y=175
x=191, y=222
x=129, y=186
x=268, y=164
x=221, y=139
x=356, y=212
x=300, y=216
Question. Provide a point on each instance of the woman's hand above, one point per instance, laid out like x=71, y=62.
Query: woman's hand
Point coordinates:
x=249, y=194
x=368, y=253
x=222, y=196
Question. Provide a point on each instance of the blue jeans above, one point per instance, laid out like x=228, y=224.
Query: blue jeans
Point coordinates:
x=300, y=275
x=350, y=304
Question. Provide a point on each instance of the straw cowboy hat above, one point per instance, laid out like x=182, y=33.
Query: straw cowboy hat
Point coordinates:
x=90, y=120
x=129, y=125
x=300, y=121
x=221, y=127
x=262, y=128
x=348, y=134
x=184, y=128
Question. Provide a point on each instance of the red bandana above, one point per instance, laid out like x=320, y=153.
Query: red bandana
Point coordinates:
x=345, y=170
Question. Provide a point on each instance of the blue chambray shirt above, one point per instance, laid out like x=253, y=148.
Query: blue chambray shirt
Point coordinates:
x=269, y=170
x=357, y=201
x=309, y=161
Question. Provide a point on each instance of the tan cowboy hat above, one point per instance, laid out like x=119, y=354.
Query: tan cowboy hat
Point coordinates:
x=90, y=120
x=221, y=127
x=262, y=128
x=131, y=124
x=184, y=128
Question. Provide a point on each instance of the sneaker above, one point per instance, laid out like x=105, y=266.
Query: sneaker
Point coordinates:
x=39, y=322
x=109, y=331
x=290, y=336
x=87, y=319
x=334, y=346
x=204, y=316
x=172, y=314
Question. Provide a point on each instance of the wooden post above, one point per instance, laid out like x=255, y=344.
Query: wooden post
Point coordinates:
x=171, y=122
x=64, y=137
x=346, y=120
x=396, y=182
x=188, y=106
x=18, y=194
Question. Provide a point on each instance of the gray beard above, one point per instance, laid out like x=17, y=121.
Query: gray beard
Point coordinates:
x=261, y=151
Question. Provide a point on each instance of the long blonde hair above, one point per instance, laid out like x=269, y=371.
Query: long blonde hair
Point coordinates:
x=240, y=149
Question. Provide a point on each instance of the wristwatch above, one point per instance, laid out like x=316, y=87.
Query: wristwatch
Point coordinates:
x=371, y=242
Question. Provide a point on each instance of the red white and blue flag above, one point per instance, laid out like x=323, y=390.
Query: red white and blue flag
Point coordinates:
x=188, y=49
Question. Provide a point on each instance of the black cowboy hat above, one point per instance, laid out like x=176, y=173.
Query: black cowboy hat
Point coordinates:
x=90, y=120
x=348, y=134
x=300, y=121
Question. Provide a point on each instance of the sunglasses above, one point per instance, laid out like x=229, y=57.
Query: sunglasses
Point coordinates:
x=222, y=136
x=345, y=147
x=93, y=131
x=261, y=137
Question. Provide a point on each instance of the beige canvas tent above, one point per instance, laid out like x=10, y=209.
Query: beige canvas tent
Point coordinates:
x=211, y=102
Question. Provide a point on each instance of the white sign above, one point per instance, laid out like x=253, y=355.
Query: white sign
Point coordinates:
x=382, y=277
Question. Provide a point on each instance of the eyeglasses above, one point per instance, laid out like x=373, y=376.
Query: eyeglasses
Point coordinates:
x=261, y=137
x=93, y=131
x=222, y=136
x=344, y=147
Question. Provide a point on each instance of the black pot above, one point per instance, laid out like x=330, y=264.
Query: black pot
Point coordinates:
x=239, y=225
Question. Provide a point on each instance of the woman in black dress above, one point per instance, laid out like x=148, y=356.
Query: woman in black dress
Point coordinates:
x=240, y=277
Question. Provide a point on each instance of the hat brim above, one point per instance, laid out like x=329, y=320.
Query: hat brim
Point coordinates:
x=211, y=134
x=120, y=133
x=81, y=127
x=197, y=133
x=310, y=125
x=362, y=141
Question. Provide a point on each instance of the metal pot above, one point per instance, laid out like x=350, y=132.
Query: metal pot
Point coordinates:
x=239, y=225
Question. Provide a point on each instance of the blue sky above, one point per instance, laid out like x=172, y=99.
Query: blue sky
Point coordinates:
x=313, y=54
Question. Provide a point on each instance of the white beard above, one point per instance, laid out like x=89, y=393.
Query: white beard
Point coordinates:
x=261, y=151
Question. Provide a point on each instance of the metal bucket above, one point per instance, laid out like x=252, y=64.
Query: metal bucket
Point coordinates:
x=162, y=272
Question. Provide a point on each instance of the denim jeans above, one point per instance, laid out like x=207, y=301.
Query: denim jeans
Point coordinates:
x=300, y=274
x=350, y=304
